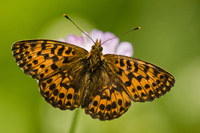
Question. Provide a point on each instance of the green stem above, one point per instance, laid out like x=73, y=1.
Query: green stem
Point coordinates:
x=74, y=121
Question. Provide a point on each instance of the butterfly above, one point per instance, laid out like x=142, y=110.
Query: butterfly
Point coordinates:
x=104, y=85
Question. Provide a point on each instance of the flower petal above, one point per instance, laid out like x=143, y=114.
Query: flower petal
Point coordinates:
x=125, y=48
x=96, y=34
x=72, y=39
x=110, y=46
x=62, y=40
x=87, y=43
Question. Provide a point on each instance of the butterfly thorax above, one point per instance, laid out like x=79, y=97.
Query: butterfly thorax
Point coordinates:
x=95, y=56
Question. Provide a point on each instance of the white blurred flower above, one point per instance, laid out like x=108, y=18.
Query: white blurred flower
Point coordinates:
x=110, y=47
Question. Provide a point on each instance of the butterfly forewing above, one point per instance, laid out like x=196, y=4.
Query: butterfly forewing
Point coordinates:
x=143, y=81
x=52, y=63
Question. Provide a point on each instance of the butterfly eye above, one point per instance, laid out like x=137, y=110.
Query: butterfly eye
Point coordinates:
x=100, y=48
x=93, y=47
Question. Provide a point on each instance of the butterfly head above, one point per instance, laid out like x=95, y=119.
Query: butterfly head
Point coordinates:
x=97, y=47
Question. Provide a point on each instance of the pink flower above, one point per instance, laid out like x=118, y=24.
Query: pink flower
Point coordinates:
x=110, y=47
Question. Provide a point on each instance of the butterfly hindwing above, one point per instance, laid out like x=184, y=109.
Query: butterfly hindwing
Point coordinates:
x=51, y=63
x=143, y=81
x=107, y=100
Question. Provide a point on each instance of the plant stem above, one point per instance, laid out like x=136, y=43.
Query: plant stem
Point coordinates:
x=74, y=122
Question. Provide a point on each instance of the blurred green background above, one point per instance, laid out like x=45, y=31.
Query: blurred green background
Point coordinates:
x=169, y=38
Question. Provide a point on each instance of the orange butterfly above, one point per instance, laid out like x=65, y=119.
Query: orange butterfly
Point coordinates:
x=70, y=76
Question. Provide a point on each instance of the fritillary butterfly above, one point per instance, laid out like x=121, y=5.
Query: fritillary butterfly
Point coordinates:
x=104, y=85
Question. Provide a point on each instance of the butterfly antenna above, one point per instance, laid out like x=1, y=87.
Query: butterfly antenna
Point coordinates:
x=79, y=28
x=122, y=34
